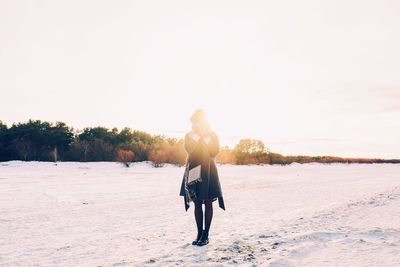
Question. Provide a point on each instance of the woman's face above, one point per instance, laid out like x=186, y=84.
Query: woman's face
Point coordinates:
x=200, y=127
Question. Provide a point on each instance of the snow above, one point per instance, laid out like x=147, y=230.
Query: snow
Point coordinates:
x=103, y=214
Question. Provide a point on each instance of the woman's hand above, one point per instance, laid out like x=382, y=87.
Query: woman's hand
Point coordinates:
x=192, y=139
x=207, y=139
x=195, y=137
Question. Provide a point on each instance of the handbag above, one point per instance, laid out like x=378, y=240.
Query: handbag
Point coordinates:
x=194, y=175
x=191, y=177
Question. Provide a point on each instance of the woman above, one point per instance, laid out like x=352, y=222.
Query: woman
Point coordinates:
x=202, y=145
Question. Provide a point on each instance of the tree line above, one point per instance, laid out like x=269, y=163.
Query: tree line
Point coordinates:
x=44, y=141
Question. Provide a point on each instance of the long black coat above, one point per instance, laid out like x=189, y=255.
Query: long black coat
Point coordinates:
x=202, y=153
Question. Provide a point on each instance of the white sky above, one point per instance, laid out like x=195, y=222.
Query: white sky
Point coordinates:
x=305, y=77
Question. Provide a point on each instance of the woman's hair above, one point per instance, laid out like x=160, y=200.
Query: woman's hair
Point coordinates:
x=199, y=116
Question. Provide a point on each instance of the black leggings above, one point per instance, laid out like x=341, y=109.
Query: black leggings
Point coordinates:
x=208, y=214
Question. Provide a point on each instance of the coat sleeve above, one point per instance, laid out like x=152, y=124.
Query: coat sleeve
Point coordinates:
x=213, y=146
x=190, y=144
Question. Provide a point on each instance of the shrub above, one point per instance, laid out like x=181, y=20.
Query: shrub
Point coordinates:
x=125, y=156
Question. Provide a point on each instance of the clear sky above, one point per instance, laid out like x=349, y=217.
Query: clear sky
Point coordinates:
x=305, y=77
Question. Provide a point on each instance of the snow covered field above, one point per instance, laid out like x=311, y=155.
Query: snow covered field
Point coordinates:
x=102, y=214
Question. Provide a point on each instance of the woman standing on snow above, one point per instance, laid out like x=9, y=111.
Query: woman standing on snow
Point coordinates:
x=202, y=145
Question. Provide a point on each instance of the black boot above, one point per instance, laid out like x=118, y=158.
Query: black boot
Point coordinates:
x=203, y=239
x=197, y=238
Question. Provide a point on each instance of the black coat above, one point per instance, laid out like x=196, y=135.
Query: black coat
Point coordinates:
x=202, y=153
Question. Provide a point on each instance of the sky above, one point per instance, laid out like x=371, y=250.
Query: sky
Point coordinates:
x=305, y=77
